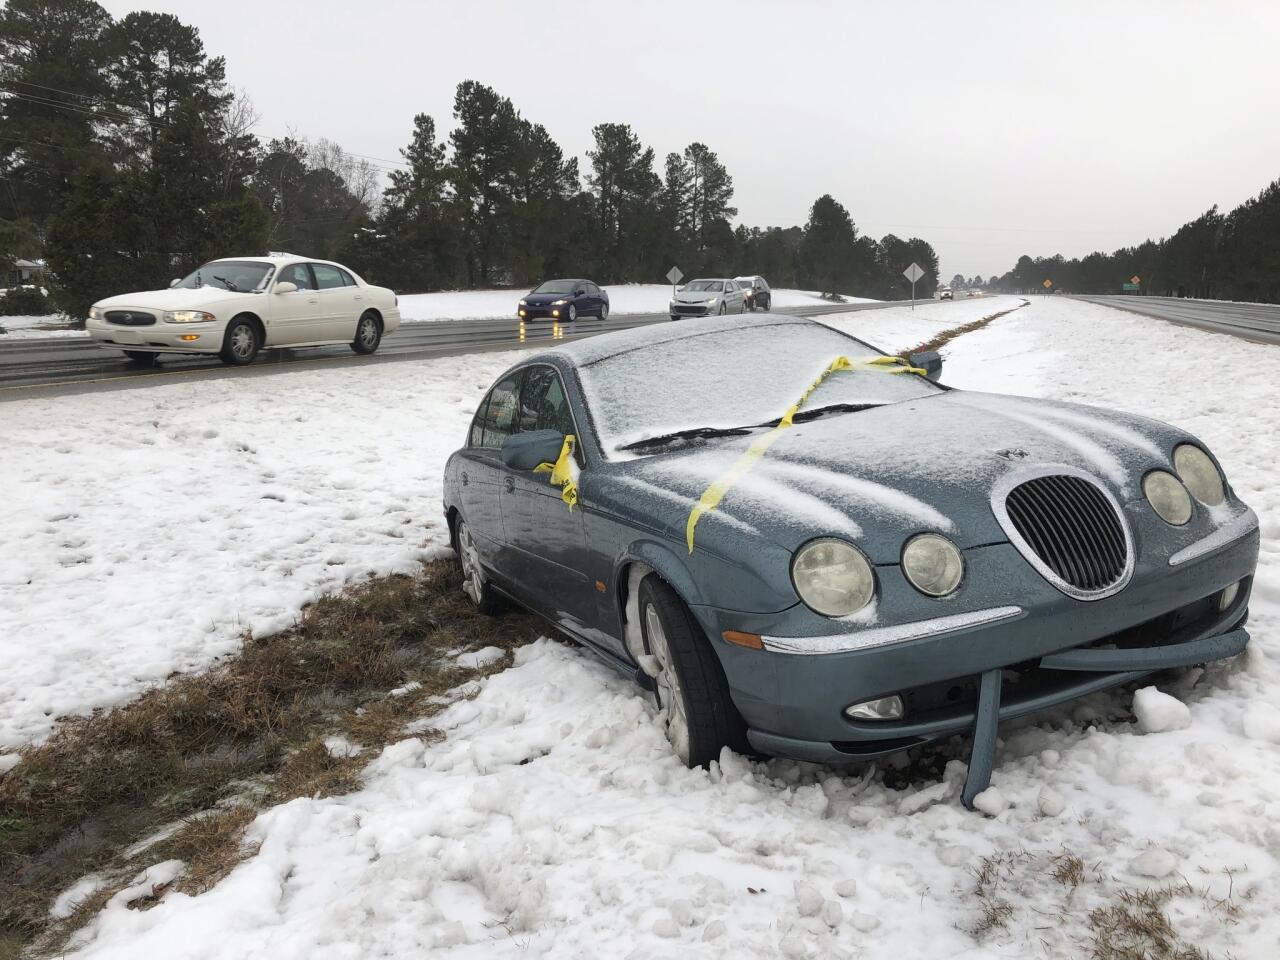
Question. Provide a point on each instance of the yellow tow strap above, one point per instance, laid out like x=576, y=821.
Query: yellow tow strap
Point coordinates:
x=562, y=472
x=712, y=496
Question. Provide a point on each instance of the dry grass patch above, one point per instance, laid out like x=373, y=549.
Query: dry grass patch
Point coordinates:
x=193, y=761
x=942, y=339
x=1079, y=910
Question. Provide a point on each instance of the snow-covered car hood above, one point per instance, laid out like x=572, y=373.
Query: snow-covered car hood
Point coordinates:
x=879, y=475
x=176, y=298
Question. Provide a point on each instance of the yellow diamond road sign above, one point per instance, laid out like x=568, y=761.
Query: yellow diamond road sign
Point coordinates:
x=1135, y=279
x=1048, y=284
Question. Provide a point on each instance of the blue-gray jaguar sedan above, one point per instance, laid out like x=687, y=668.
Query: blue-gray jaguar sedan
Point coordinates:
x=805, y=548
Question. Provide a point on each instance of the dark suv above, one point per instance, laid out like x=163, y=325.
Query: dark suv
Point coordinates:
x=564, y=300
x=756, y=291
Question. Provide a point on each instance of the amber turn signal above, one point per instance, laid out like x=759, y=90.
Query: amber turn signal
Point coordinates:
x=751, y=641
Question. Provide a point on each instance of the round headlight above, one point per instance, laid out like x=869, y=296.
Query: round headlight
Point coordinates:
x=932, y=564
x=1199, y=474
x=1168, y=497
x=833, y=578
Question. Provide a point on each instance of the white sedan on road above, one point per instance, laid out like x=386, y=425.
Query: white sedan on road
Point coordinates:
x=706, y=298
x=237, y=307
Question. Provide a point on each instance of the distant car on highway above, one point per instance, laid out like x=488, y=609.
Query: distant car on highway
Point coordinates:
x=944, y=293
x=708, y=298
x=236, y=307
x=765, y=554
x=757, y=292
x=564, y=300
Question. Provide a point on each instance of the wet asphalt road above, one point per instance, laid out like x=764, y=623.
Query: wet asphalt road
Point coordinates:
x=1253, y=321
x=43, y=367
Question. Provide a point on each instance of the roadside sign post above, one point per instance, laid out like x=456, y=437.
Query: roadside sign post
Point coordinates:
x=1047, y=285
x=913, y=273
x=1134, y=284
x=674, y=276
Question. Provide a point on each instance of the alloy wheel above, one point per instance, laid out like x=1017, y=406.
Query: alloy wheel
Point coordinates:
x=472, y=578
x=368, y=332
x=670, y=696
x=242, y=341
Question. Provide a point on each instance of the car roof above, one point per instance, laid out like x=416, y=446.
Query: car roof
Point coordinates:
x=593, y=349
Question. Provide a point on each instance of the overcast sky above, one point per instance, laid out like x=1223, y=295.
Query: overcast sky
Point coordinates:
x=990, y=129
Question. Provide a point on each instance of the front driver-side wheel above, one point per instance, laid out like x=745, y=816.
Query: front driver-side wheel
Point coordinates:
x=241, y=343
x=474, y=582
x=693, y=694
x=604, y=311
x=368, y=334
x=144, y=357
x=572, y=314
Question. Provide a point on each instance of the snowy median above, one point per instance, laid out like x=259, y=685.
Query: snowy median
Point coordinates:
x=554, y=820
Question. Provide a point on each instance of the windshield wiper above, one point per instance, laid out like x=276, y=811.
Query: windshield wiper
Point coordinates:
x=817, y=412
x=227, y=283
x=696, y=433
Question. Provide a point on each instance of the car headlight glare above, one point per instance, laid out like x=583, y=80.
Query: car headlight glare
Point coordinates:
x=713, y=301
x=95, y=313
x=187, y=316
x=933, y=564
x=832, y=577
x=560, y=303
x=524, y=303
x=1200, y=475
x=1168, y=497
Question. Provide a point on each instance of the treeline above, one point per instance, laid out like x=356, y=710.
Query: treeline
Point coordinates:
x=1232, y=256
x=127, y=160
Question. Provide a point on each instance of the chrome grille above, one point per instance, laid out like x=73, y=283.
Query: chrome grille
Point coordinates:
x=1073, y=529
x=129, y=318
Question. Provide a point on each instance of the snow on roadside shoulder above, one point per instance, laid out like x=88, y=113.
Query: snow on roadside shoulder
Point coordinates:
x=554, y=821
x=145, y=530
x=896, y=329
x=34, y=328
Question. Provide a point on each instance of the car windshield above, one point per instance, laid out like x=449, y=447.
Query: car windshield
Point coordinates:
x=732, y=378
x=710, y=286
x=240, y=276
x=556, y=286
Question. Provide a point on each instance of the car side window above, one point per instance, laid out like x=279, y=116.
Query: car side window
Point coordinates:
x=347, y=279
x=543, y=404
x=475, y=438
x=327, y=277
x=500, y=411
x=592, y=289
x=297, y=274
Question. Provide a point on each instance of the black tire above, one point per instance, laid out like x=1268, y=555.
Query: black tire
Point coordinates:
x=368, y=333
x=673, y=316
x=474, y=584
x=573, y=313
x=239, y=348
x=712, y=720
x=724, y=308
x=144, y=357
x=604, y=311
x=766, y=306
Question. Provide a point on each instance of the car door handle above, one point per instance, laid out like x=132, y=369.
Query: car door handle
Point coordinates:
x=510, y=484
x=313, y=300
x=357, y=297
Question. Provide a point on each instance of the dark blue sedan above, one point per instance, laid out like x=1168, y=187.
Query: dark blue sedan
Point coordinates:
x=806, y=548
x=565, y=300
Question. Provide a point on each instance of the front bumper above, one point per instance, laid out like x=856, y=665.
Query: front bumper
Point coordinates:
x=159, y=337
x=543, y=312
x=1042, y=649
x=693, y=310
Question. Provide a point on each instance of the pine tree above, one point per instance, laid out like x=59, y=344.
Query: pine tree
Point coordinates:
x=827, y=252
x=626, y=191
x=54, y=91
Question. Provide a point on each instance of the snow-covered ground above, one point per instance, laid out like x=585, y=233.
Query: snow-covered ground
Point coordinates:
x=24, y=328
x=623, y=298
x=553, y=820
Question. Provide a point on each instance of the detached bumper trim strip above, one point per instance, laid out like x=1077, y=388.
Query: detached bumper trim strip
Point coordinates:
x=885, y=636
x=1232, y=530
x=1186, y=654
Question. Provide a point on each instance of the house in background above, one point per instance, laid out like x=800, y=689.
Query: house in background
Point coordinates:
x=22, y=272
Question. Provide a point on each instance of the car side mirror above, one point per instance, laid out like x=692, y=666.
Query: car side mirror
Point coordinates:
x=284, y=286
x=175, y=281
x=930, y=361
x=579, y=293
x=524, y=451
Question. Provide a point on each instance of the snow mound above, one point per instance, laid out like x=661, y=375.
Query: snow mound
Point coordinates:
x=1158, y=712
